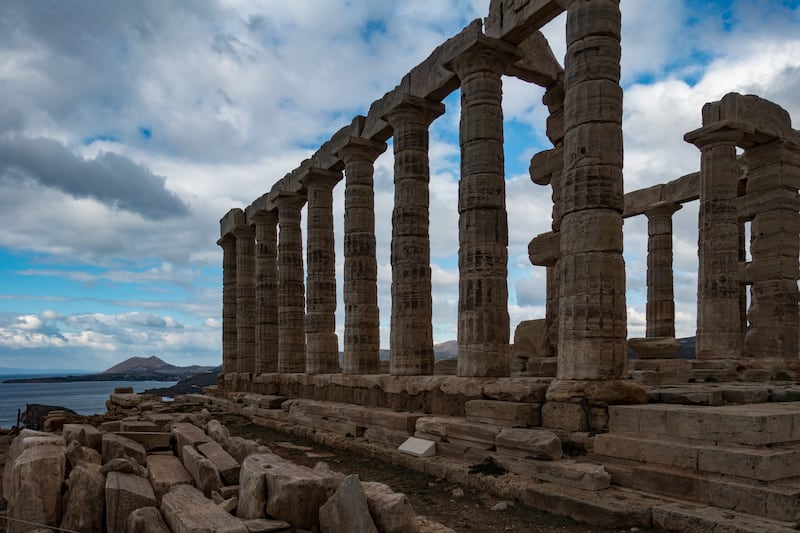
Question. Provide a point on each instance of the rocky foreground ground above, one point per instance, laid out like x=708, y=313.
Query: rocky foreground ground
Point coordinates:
x=147, y=480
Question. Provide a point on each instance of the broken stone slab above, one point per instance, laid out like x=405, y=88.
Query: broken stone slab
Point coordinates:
x=27, y=438
x=239, y=448
x=227, y=466
x=124, y=494
x=295, y=493
x=86, y=434
x=205, y=474
x=264, y=525
x=187, y=434
x=217, y=431
x=655, y=347
x=77, y=454
x=567, y=472
x=186, y=510
x=166, y=471
x=84, y=500
x=265, y=401
x=530, y=443
x=147, y=520
x=126, y=465
x=34, y=484
x=162, y=420
x=118, y=446
x=390, y=510
x=347, y=509
x=418, y=447
x=139, y=426
x=150, y=440
x=228, y=505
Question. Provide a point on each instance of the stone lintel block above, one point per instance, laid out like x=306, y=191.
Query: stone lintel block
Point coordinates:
x=545, y=249
x=186, y=510
x=683, y=189
x=765, y=200
x=637, y=202
x=259, y=205
x=760, y=115
x=567, y=472
x=232, y=220
x=328, y=154
x=516, y=20
x=151, y=440
x=375, y=128
x=86, y=434
x=166, y=471
x=418, y=447
x=546, y=164
x=124, y=494
x=538, y=63
x=510, y=414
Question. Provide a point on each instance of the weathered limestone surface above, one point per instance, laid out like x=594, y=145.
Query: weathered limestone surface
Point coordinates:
x=347, y=509
x=322, y=343
x=253, y=485
x=291, y=287
x=86, y=434
x=166, y=471
x=227, y=466
x=124, y=494
x=118, y=446
x=186, y=510
x=34, y=486
x=229, y=295
x=390, y=510
x=187, y=434
x=411, y=340
x=660, y=311
x=361, y=319
x=245, y=297
x=266, y=324
x=205, y=475
x=529, y=443
x=84, y=500
x=483, y=322
x=147, y=520
x=295, y=493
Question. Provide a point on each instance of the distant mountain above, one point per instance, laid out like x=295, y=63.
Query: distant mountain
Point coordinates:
x=446, y=350
x=155, y=366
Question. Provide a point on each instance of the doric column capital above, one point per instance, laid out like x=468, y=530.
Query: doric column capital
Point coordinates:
x=662, y=209
x=483, y=54
x=360, y=149
x=414, y=109
x=317, y=178
x=286, y=199
x=721, y=133
x=245, y=231
x=227, y=242
x=265, y=218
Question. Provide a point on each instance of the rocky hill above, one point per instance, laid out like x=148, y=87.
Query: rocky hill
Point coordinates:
x=154, y=366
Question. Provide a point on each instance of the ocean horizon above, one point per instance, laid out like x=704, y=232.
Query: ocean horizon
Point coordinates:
x=83, y=397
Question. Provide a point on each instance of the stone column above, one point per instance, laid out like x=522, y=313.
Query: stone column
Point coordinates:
x=483, y=322
x=592, y=312
x=245, y=297
x=719, y=333
x=266, y=291
x=660, y=293
x=229, y=295
x=322, y=344
x=411, y=340
x=362, y=336
x=291, y=288
x=772, y=187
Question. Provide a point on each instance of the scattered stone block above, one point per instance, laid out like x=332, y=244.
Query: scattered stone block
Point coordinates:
x=126, y=465
x=217, y=431
x=117, y=446
x=77, y=454
x=295, y=493
x=162, y=420
x=263, y=525
x=86, y=434
x=239, y=448
x=205, y=474
x=150, y=440
x=529, y=443
x=84, y=500
x=347, y=509
x=124, y=494
x=187, y=434
x=227, y=466
x=390, y=510
x=34, y=486
x=147, y=520
x=166, y=471
x=139, y=426
x=418, y=447
x=253, y=485
x=186, y=510
x=27, y=438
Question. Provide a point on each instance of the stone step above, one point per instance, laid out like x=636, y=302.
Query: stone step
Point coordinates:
x=759, y=463
x=752, y=424
x=777, y=500
x=686, y=517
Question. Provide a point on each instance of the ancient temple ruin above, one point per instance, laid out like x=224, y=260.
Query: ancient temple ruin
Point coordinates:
x=694, y=429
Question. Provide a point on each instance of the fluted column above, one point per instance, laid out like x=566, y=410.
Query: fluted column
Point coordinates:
x=291, y=287
x=362, y=335
x=660, y=310
x=773, y=174
x=245, y=297
x=411, y=337
x=483, y=322
x=229, y=295
x=592, y=313
x=719, y=333
x=266, y=327
x=322, y=343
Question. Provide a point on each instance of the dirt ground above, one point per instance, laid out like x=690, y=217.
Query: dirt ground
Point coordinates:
x=459, y=508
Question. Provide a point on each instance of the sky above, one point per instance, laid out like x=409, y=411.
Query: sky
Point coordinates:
x=128, y=129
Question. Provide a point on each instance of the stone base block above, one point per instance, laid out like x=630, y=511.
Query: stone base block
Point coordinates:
x=499, y=413
x=687, y=517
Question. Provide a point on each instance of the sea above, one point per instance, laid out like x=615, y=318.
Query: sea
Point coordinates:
x=83, y=397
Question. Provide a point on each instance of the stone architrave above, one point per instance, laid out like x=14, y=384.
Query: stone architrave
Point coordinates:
x=245, y=297
x=772, y=187
x=322, y=343
x=361, y=314
x=719, y=332
x=291, y=286
x=592, y=317
x=266, y=324
x=229, y=339
x=660, y=311
x=411, y=340
x=483, y=321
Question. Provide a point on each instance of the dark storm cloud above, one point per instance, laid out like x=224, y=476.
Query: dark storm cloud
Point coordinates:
x=111, y=179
